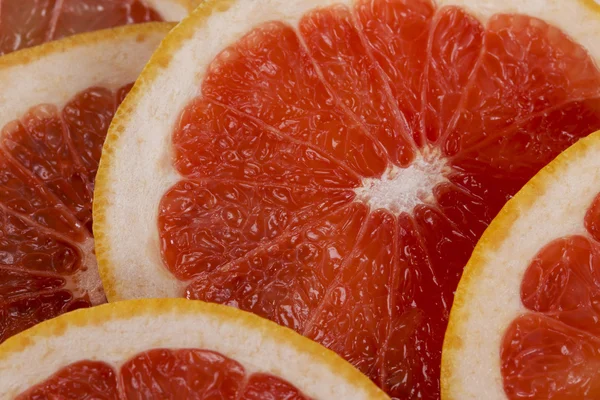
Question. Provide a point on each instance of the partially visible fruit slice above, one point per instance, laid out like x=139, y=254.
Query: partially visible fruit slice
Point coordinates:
x=526, y=317
x=330, y=165
x=56, y=103
x=173, y=349
x=26, y=23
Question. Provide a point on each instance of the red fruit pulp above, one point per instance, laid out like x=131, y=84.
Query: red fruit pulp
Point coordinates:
x=554, y=351
x=26, y=23
x=336, y=177
x=191, y=374
x=48, y=162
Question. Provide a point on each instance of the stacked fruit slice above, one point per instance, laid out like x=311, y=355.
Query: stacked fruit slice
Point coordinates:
x=525, y=321
x=330, y=165
x=26, y=23
x=173, y=349
x=56, y=104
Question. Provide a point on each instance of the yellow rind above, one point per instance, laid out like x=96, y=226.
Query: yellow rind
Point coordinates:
x=159, y=60
x=592, y=4
x=190, y=5
x=27, y=55
x=125, y=310
x=492, y=238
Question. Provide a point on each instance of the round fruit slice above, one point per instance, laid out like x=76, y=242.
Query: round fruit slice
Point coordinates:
x=167, y=349
x=26, y=23
x=56, y=103
x=526, y=321
x=330, y=165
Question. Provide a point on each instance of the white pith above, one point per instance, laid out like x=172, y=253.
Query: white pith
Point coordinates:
x=399, y=190
x=58, y=76
x=140, y=168
x=170, y=10
x=117, y=339
x=55, y=77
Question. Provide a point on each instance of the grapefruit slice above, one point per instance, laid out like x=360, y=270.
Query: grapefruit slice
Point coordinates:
x=26, y=23
x=525, y=321
x=173, y=349
x=330, y=165
x=56, y=103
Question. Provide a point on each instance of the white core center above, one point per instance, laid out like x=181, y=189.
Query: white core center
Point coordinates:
x=401, y=189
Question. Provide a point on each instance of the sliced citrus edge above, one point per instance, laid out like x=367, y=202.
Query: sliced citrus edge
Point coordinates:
x=55, y=72
x=115, y=332
x=134, y=175
x=551, y=205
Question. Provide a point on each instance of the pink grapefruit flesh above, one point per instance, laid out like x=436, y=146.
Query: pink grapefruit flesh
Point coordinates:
x=26, y=23
x=48, y=162
x=552, y=351
x=336, y=178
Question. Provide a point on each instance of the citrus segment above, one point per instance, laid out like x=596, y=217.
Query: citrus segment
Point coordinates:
x=549, y=360
x=49, y=158
x=337, y=164
x=246, y=218
x=234, y=356
x=528, y=67
x=397, y=32
x=292, y=99
x=33, y=22
x=213, y=141
x=77, y=381
x=339, y=50
x=86, y=118
x=305, y=263
x=23, y=195
x=73, y=17
x=453, y=49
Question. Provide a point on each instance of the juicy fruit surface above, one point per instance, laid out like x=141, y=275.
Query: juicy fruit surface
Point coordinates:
x=164, y=374
x=291, y=122
x=26, y=23
x=48, y=162
x=553, y=351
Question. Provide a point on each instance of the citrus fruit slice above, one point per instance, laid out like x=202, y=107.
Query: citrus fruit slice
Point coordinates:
x=330, y=165
x=56, y=103
x=525, y=321
x=173, y=349
x=26, y=23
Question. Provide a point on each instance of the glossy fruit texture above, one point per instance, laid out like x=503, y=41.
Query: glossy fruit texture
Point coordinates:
x=48, y=162
x=26, y=23
x=552, y=352
x=190, y=374
x=292, y=124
